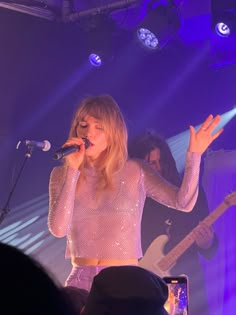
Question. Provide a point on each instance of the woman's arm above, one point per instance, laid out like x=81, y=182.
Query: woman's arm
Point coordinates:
x=181, y=198
x=184, y=198
x=62, y=188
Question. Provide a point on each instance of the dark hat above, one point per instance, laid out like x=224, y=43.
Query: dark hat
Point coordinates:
x=76, y=296
x=127, y=290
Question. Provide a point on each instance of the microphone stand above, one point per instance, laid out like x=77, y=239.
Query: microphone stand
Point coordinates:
x=5, y=210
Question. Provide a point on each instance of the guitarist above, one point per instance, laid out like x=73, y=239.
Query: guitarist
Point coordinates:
x=159, y=219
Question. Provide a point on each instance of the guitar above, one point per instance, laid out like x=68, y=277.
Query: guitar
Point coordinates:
x=163, y=265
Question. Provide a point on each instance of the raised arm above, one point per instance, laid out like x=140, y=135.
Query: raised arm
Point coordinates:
x=62, y=187
x=184, y=198
x=181, y=198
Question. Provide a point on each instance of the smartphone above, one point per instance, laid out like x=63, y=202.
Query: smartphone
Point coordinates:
x=178, y=297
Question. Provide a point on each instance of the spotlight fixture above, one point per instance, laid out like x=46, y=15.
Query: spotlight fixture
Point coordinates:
x=158, y=27
x=98, y=35
x=222, y=29
x=223, y=32
x=223, y=17
x=147, y=38
x=95, y=60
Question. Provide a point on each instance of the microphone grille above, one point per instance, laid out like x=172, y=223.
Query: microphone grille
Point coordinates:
x=86, y=142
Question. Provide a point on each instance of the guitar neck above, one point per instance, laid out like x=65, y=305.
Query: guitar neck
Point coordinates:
x=214, y=215
x=167, y=261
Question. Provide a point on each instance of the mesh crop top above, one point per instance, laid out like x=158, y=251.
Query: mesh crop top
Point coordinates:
x=109, y=226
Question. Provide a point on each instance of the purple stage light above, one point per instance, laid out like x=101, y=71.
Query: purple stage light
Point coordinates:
x=222, y=29
x=95, y=60
x=147, y=38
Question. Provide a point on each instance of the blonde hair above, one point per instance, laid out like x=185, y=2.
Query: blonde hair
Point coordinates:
x=105, y=109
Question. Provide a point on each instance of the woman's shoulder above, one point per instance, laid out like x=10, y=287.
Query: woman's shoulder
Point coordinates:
x=137, y=164
x=131, y=171
x=61, y=173
x=131, y=162
x=58, y=169
x=58, y=172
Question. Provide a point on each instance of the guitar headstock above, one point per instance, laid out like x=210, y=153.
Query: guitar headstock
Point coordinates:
x=230, y=199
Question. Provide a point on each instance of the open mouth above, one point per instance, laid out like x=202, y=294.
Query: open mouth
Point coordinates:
x=90, y=145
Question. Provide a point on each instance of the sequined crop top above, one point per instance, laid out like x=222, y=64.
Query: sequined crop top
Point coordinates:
x=109, y=227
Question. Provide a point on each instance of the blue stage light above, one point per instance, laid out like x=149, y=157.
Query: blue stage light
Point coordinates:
x=159, y=26
x=147, y=38
x=222, y=29
x=95, y=60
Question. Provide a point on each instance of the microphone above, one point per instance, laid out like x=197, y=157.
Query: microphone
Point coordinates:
x=44, y=145
x=62, y=152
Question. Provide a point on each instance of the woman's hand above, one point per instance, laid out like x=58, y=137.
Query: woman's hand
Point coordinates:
x=201, y=139
x=74, y=160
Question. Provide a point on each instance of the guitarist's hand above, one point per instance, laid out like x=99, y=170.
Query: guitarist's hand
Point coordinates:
x=204, y=235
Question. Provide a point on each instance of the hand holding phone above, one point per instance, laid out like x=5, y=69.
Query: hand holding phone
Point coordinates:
x=178, y=298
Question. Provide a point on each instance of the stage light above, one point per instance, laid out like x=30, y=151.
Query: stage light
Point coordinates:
x=222, y=29
x=147, y=38
x=99, y=39
x=223, y=17
x=100, y=55
x=158, y=27
x=95, y=60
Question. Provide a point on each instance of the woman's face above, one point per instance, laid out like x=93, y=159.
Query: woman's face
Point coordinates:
x=153, y=158
x=92, y=128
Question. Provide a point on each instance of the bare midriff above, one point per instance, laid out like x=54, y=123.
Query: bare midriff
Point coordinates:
x=79, y=261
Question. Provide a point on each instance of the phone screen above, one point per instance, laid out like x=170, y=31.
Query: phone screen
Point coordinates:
x=177, y=302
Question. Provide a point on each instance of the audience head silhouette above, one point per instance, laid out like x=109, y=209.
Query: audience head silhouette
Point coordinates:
x=26, y=286
x=126, y=290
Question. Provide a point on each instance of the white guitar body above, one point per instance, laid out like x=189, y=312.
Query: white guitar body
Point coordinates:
x=153, y=256
x=155, y=261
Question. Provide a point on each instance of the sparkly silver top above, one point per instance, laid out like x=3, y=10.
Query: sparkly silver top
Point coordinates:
x=109, y=226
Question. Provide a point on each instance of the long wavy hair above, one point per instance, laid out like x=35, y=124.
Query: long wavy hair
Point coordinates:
x=105, y=109
x=145, y=143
